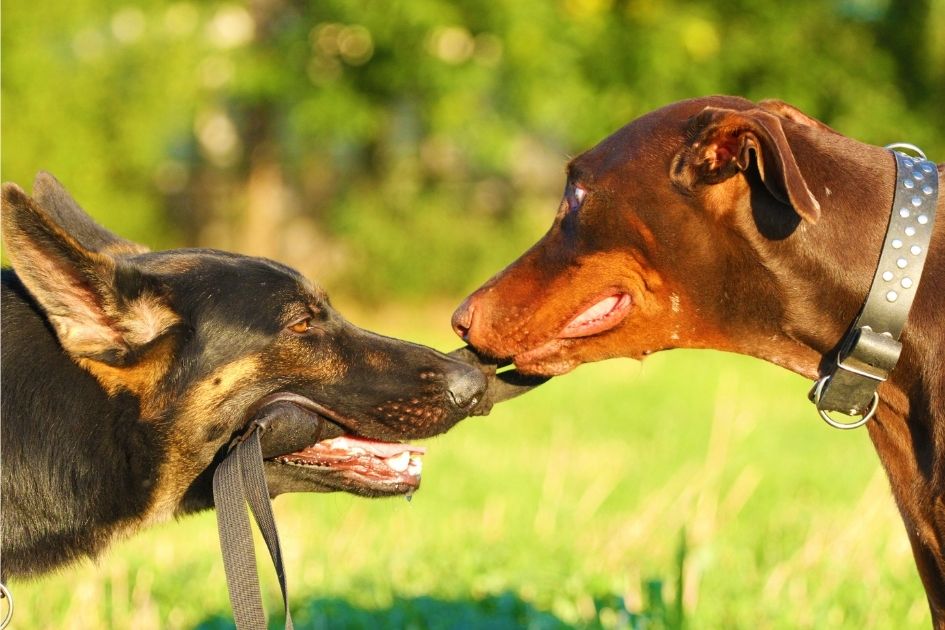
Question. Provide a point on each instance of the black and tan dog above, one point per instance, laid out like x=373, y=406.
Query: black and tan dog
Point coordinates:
x=125, y=374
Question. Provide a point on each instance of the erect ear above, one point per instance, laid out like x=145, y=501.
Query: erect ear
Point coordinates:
x=100, y=307
x=56, y=201
x=721, y=144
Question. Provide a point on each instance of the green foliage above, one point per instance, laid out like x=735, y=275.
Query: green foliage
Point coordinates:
x=408, y=148
x=373, y=138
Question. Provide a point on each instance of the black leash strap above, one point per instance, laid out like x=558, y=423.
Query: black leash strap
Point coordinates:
x=240, y=479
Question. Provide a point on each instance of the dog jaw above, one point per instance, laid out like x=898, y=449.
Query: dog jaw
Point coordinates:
x=551, y=328
x=376, y=466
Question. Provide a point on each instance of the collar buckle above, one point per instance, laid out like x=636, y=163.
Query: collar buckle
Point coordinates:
x=871, y=348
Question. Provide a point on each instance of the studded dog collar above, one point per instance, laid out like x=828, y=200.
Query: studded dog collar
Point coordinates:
x=871, y=347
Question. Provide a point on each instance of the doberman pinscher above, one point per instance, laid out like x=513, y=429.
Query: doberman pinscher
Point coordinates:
x=126, y=373
x=751, y=228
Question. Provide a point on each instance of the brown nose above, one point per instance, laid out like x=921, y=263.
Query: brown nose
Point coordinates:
x=463, y=319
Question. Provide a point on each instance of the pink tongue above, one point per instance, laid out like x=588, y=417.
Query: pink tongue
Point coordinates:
x=374, y=447
x=598, y=310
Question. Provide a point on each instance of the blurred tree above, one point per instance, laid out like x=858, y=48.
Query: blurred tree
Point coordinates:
x=408, y=147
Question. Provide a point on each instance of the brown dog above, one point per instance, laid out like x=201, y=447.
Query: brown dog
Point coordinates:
x=752, y=228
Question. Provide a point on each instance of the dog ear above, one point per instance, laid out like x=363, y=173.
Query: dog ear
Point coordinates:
x=788, y=111
x=56, y=201
x=100, y=307
x=721, y=143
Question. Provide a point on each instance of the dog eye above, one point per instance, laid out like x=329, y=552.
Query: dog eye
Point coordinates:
x=303, y=326
x=574, y=195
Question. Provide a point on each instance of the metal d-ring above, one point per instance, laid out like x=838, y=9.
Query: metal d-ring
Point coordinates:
x=819, y=388
x=908, y=147
x=5, y=594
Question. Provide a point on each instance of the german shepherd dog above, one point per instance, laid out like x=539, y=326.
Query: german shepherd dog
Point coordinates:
x=126, y=373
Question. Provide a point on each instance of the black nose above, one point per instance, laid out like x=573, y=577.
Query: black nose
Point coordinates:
x=465, y=385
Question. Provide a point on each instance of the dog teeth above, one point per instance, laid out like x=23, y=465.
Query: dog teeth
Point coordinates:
x=399, y=462
x=415, y=467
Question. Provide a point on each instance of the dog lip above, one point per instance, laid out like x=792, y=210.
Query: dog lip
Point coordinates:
x=531, y=362
x=368, y=461
x=365, y=460
x=602, y=315
x=304, y=402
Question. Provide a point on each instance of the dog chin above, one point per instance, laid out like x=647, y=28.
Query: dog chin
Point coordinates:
x=546, y=360
x=285, y=478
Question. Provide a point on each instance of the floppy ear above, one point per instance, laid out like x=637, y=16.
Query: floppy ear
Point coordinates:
x=721, y=144
x=788, y=111
x=99, y=307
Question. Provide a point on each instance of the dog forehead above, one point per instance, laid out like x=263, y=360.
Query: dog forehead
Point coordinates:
x=221, y=278
x=652, y=137
x=214, y=265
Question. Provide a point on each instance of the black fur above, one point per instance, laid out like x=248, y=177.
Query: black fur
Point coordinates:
x=125, y=375
x=72, y=456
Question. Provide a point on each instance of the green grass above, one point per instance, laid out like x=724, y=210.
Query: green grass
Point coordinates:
x=570, y=507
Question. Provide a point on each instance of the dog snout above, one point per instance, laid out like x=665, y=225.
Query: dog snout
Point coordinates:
x=465, y=385
x=463, y=319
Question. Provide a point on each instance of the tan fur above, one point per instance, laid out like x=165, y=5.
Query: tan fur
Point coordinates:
x=141, y=379
x=123, y=248
x=219, y=393
x=722, y=199
x=145, y=319
x=378, y=360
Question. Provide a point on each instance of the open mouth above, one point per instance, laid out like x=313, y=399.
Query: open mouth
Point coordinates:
x=600, y=316
x=314, y=440
x=371, y=460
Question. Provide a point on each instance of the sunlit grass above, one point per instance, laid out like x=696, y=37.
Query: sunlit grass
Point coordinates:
x=555, y=511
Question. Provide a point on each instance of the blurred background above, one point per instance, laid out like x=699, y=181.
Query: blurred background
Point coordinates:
x=400, y=152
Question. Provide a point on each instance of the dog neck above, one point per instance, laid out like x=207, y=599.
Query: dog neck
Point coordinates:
x=824, y=271
x=102, y=487
x=855, y=183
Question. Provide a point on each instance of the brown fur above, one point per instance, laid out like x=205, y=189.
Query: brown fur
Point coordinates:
x=764, y=227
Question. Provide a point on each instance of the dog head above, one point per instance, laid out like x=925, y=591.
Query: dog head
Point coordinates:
x=200, y=340
x=689, y=227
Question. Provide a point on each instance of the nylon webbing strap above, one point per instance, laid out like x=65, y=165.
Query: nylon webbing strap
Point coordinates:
x=239, y=479
x=871, y=348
